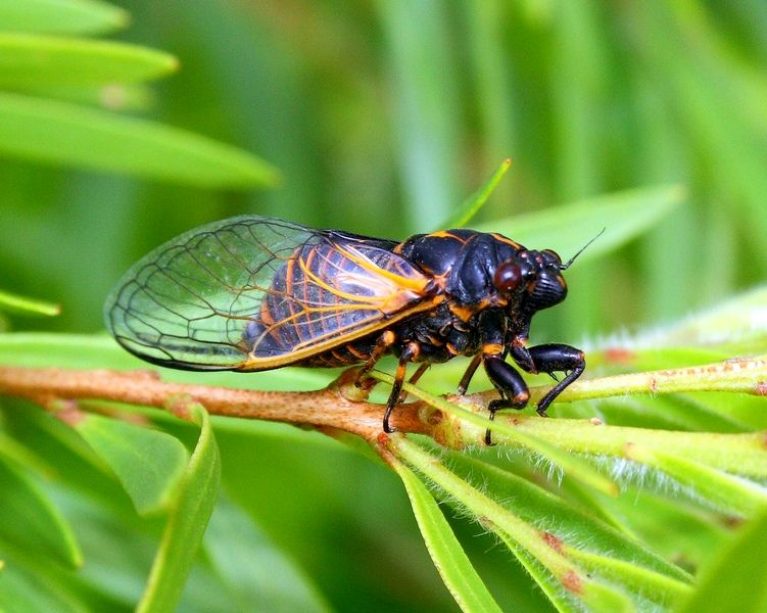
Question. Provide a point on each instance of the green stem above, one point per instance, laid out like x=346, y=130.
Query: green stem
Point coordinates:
x=747, y=375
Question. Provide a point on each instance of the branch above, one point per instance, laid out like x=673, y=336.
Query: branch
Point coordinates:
x=340, y=406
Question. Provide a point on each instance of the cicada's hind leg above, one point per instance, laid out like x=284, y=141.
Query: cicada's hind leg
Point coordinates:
x=409, y=353
x=383, y=344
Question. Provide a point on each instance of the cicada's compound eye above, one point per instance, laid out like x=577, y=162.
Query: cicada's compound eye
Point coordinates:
x=507, y=276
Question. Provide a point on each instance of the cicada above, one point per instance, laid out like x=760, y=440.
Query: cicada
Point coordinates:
x=255, y=293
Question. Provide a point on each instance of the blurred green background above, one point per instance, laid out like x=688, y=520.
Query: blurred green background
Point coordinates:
x=381, y=117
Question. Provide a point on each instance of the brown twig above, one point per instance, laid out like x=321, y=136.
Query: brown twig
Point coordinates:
x=340, y=406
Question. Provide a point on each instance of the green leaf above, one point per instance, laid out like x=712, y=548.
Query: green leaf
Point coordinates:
x=27, y=306
x=19, y=453
x=494, y=516
x=29, y=520
x=726, y=491
x=61, y=16
x=566, y=229
x=425, y=104
x=29, y=60
x=188, y=519
x=61, y=133
x=555, y=514
x=115, y=97
x=733, y=582
x=474, y=203
x=741, y=454
x=23, y=591
x=259, y=575
x=452, y=563
x=35, y=349
x=148, y=463
x=600, y=548
x=545, y=580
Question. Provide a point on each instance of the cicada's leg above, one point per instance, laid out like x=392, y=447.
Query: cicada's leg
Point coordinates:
x=414, y=378
x=510, y=385
x=410, y=352
x=384, y=342
x=557, y=358
x=467, y=376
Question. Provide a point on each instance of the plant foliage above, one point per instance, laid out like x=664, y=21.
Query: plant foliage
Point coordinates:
x=644, y=491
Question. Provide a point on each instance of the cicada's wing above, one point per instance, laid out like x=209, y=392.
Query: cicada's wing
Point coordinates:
x=253, y=293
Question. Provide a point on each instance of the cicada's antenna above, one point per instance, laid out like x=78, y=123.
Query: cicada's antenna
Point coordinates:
x=566, y=265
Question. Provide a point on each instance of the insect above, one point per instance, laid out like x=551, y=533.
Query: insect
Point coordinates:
x=254, y=293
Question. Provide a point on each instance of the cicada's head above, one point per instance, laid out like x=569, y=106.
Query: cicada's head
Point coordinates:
x=536, y=276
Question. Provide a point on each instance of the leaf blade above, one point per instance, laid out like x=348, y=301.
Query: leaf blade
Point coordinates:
x=567, y=228
x=728, y=584
x=30, y=60
x=187, y=521
x=148, y=463
x=30, y=520
x=61, y=133
x=472, y=205
x=452, y=563
x=61, y=16
x=13, y=303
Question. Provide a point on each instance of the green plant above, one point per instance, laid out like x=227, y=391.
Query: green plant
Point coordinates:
x=571, y=536
x=648, y=467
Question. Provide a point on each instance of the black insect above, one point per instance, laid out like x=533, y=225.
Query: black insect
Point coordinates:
x=253, y=293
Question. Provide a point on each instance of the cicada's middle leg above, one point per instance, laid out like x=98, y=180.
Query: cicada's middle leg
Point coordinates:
x=409, y=353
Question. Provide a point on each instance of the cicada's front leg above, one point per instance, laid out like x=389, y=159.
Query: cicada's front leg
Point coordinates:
x=549, y=359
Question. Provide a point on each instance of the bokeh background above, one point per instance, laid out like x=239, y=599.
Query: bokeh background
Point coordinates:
x=382, y=116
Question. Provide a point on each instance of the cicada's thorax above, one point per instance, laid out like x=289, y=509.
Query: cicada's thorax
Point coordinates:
x=462, y=263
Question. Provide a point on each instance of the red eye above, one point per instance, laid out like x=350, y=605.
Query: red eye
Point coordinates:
x=507, y=276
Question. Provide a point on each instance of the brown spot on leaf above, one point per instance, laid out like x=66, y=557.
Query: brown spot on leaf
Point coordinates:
x=731, y=521
x=553, y=541
x=761, y=388
x=572, y=582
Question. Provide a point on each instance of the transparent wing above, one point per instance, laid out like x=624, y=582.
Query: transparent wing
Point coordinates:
x=252, y=293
